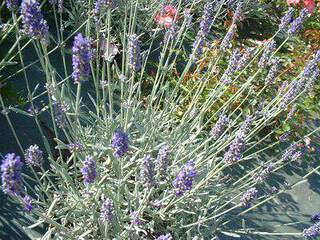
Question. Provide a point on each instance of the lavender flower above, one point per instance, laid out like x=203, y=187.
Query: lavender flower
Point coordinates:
x=232, y=67
x=33, y=110
x=81, y=56
x=165, y=237
x=249, y=196
x=291, y=153
x=188, y=17
x=243, y=61
x=292, y=112
x=238, y=145
x=267, y=53
x=273, y=72
x=134, y=53
x=136, y=219
x=238, y=14
x=33, y=22
x=220, y=126
x=198, y=46
x=148, y=171
x=89, y=170
x=59, y=111
x=27, y=201
x=296, y=25
x=264, y=174
x=163, y=161
x=226, y=42
x=120, y=143
x=171, y=33
x=284, y=136
x=311, y=81
x=34, y=156
x=312, y=232
x=101, y=5
x=205, y=26
x=286, y=19
x=184, y=179
x=315, y=218
x=273, y=190
x=107, y=211
x=206, y=20
x=75, y=147
x=11, y=174
x=12, y=4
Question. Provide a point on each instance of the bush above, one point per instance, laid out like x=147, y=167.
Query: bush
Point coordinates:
x=134, y=152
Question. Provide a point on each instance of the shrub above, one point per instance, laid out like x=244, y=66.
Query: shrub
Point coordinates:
x=126, y=161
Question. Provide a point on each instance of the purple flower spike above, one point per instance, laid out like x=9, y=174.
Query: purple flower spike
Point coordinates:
x=226, y=42
x=101, y=5
x=34, y=156
x=269, y=49
x=249, y=196
x=238, y=145
x=220, y=126
x=120, y=143
x=315, y=218
x=165, y=237
x=184, y=179
x=312, y=232
x=148, y=171
x=11, y=174
x=296, y=25
x=232, y=67
x=75, y=147
x=81, y=56
x=107, y=211
x=27, y=201
x=89, y=170
x=33, y=22
x=12, y=4
x=134, y=53
x=286, y=19
x=136, y=219
x=163, y=161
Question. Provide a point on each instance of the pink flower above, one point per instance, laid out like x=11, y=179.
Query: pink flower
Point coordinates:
x=309, y=4
x=167, y=16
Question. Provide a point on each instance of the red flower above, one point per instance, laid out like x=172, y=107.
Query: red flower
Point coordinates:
x=309, y=4
x=167, y=16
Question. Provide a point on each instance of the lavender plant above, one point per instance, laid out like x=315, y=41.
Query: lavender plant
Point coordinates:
x=127, y=165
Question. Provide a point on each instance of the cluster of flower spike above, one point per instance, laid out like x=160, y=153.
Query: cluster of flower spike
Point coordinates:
x=34, y=24
x=81, y=56
x=312, y=232
x=99, y=6
x=249, y=196
x=34, y=156
x=107, y=211
x=205, y=25
x=11, y=174
x=296, y=25
x=134, y=53
x=238, y=145
x=219, y=127
x=148, y=172
x=163, y=161
x=89, y=170
x=305, y=82
x=120, y=143
x=184, y=179
x=12, y=4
